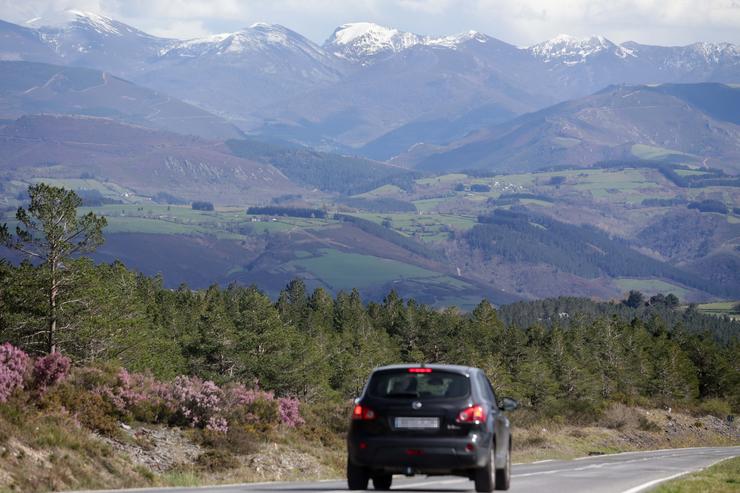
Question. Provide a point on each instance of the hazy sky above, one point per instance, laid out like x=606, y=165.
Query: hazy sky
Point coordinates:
x=522, y=22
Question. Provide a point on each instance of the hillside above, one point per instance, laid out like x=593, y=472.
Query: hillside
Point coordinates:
x=325, y=171
x=690, y=124
x=596, y=232
x=139, y=159
x=158, y=386
x=28, y=88
x=514, y=237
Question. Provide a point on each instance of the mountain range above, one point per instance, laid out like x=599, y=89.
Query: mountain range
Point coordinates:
x=696, y=123
x=368, y=89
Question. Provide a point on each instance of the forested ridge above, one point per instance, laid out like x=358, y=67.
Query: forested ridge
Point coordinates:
x=330, y=172
x=316, y=347
x=320, y=348
x=522, y=236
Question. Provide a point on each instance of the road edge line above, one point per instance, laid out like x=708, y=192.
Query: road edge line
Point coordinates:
x=654, y=482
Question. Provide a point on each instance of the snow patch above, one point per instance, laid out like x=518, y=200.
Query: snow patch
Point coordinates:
x=257, y=37
x=362, y=40
x=100, y=23
x=570, y=50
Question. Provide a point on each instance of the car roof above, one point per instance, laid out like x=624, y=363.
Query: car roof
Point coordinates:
x=451, y=368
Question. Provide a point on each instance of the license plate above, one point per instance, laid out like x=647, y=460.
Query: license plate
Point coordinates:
x=417, y=423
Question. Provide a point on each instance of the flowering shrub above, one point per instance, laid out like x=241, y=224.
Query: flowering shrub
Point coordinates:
x=217, y=424
x=121, y=395
x=198, y=402
x=13, y=370
x=253, y=407
x=50, y=370
x=241, y=396
x=290, y=414
x=101, y=396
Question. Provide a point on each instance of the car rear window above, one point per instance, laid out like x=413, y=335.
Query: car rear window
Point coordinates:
x=402, y=384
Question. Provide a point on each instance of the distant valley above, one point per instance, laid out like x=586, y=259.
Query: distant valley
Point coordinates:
x=447, y=168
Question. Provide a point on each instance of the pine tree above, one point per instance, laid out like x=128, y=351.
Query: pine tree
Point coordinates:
x=50, y=232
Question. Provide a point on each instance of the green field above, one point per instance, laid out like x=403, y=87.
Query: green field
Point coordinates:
x=652, y=153
x=426, y=227
x=428, y=205
x=227, y=223
x=650, y=286
x=383, y=191
x=723, y=308
x=341, y=270
x=448, y=179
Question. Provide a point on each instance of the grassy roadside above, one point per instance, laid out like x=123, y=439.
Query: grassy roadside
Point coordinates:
x=720, y=478
x=51, y=451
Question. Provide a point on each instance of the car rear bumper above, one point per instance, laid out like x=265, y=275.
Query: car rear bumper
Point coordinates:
x=419, y=455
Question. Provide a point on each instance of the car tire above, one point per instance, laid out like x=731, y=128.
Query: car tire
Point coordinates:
x=382, y=482
x=503, y=476
x=357, y=477
x=484, y=477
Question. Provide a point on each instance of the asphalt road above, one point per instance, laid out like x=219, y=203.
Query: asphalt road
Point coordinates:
x=630, y=472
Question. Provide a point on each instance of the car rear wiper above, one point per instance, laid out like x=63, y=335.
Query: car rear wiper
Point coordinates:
x=394, y=395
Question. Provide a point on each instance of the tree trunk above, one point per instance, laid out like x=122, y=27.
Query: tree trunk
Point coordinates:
x=53, y=288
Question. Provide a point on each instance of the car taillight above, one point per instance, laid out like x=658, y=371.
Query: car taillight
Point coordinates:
x=420, y=370
x=363, y=413
x=473, y=414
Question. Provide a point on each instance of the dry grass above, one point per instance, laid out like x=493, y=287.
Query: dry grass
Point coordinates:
x=42, y=452
x=620, y=429
x=51, y=451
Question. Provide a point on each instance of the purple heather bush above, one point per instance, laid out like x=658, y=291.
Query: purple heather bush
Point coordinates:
x=14, y=365
x=186, y=401
x=290, y=414
x=239, y=395
x=198, y=402
x=132, y=392
x=49, y=370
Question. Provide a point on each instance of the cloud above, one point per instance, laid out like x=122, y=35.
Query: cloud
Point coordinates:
x=522, y=22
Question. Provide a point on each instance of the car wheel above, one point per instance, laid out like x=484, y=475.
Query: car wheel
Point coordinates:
x=503, y=476
x=484, y=477
x=383, y=482
x=357, y=477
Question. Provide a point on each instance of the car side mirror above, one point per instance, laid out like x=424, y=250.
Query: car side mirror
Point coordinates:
x=508, y=404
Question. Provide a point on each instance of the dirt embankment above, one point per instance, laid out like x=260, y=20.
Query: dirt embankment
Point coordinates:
x=623, y=429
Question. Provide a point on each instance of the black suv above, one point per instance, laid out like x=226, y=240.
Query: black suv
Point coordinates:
x=429, y=419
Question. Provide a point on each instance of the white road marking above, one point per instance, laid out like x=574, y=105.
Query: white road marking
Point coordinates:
x=430, y=483
x=644, y=486
x=594, y=466
x=541, y=473
x=542, y=461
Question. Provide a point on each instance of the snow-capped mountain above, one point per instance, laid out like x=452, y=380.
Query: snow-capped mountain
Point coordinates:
x=259, y=37
x=366, y=80
x=93, y=40
x=364, y=41
x=235, y=73
x=695, y=62
x=570, y=50
x=77, y=19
